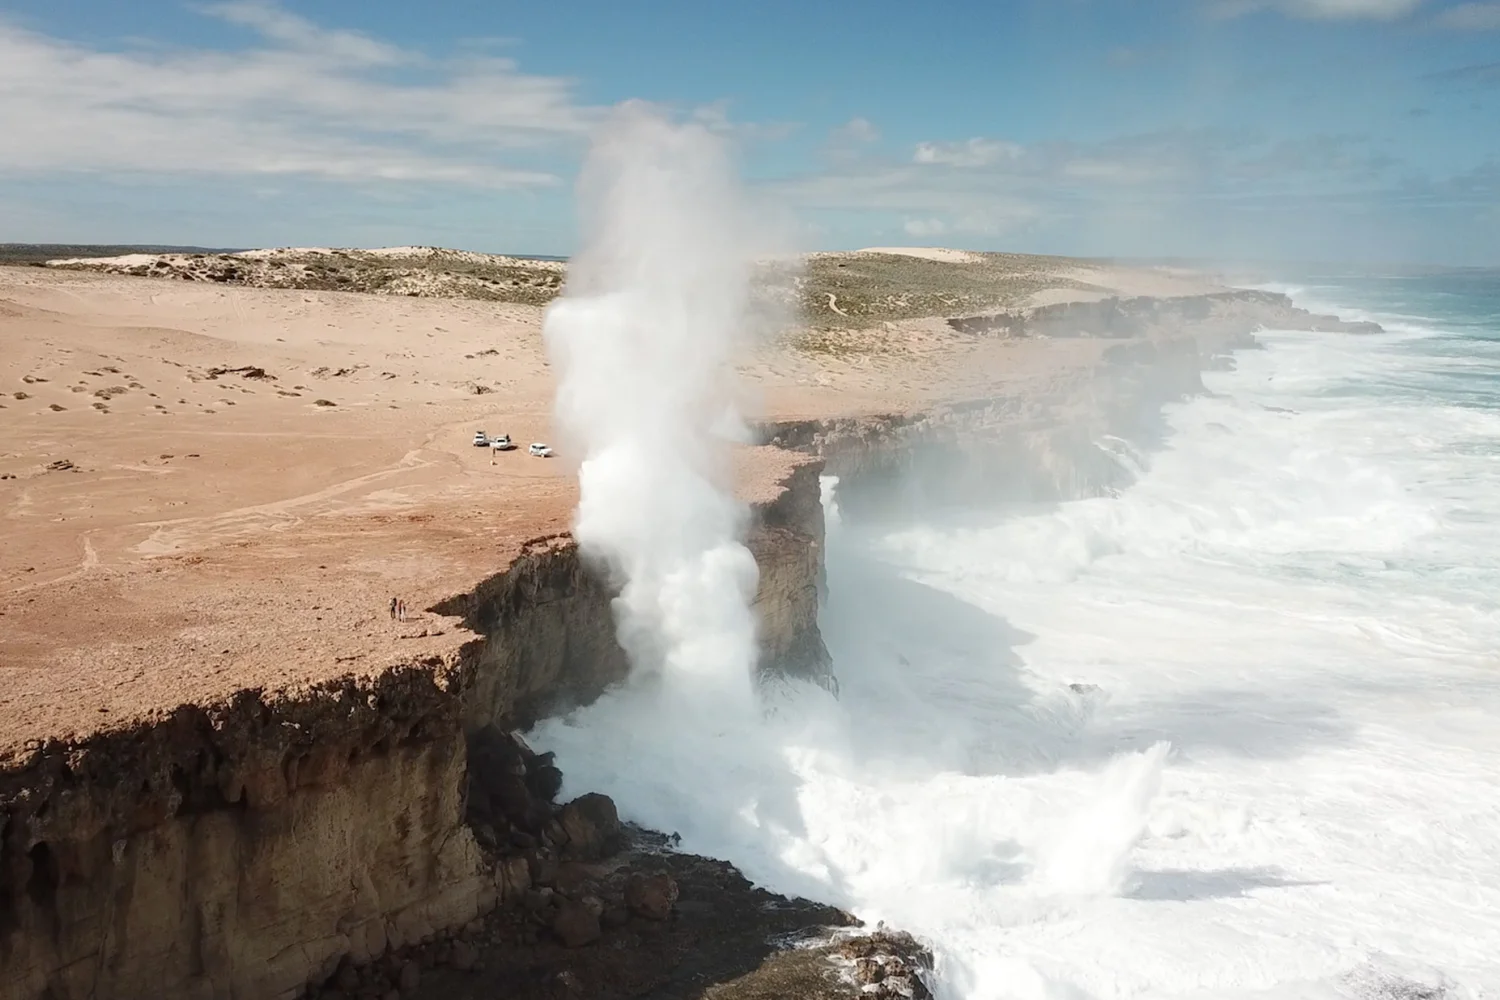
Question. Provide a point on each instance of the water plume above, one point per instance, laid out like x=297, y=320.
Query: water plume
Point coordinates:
x=644, y=339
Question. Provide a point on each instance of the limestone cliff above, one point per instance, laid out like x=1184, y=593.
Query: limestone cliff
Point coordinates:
x=239, y=850
x=244, y=849
x=1232, y=312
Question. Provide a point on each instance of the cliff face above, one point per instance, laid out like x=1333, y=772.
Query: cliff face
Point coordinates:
x=788, y=547
x=1233, y=312
x=244, y=850
x=550, y=628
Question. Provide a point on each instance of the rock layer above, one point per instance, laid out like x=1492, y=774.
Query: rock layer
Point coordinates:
x=240, y=850
x=1215, y=314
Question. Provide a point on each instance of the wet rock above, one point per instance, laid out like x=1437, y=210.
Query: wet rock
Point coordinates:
x=509, y=797
x=614, y=916
x=651, y=896
x=544, y=778
x=592, y=826
x=888, y=965
x=576, y=924
x=868, y=971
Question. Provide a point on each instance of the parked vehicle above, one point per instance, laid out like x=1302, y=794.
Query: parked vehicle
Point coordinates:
x=480, y=440
x=540, y=450
x=502, y=443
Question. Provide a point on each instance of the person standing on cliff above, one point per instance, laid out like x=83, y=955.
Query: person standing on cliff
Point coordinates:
x=393, y=609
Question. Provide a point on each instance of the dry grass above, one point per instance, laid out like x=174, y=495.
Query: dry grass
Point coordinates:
x=415, y=271
x=838, y=302
x=858, y=290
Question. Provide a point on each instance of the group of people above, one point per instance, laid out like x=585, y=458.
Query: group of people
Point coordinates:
x=398, y=609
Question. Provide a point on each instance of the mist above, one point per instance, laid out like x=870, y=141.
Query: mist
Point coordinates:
x=898, y=801
x=643, y=341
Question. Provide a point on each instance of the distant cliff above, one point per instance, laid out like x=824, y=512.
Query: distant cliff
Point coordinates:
x=1237, y=311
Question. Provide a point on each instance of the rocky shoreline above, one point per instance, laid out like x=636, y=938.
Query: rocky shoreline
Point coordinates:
x=593, y=908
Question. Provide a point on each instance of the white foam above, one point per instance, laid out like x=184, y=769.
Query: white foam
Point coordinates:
x=1297, y=596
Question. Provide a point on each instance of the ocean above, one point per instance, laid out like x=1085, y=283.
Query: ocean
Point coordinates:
x=1233, y=732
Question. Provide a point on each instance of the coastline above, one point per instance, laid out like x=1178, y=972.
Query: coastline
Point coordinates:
x=214, y=693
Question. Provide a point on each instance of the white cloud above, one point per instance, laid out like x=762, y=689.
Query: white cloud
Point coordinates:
x=857, y=132
x=970, y=153
x=994, y=221
x=925, y=229
x=1471, y=17
x=1323, y=10
x=300, y=100
x=990, y=189
x=295, y=32
x=715, y=117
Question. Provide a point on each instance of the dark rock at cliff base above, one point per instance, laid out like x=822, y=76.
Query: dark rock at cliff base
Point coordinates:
x=508, y=782
x=576, y=924
x=463, y=956
x=573, y=877
x=651, y=896
x=544, y=778
x=409, y=979
x=591, y=826
x=724, y=939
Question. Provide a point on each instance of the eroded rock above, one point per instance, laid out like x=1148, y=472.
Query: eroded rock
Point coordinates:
x=651, y=896
x=576, y=924
x=591, y=825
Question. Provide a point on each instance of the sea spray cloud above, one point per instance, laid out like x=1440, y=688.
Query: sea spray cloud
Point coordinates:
x=644, y=340
x=855, y=803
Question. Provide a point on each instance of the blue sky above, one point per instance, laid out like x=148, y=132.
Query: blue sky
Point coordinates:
x=1287, y=129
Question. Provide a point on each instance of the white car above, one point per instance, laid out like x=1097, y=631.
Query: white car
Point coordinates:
x=502, y=443
x=480, y=440
x=540, y=450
